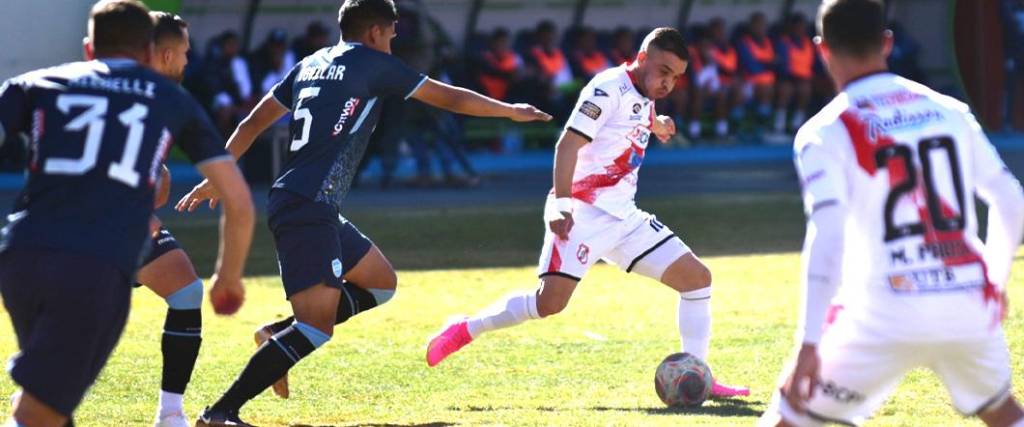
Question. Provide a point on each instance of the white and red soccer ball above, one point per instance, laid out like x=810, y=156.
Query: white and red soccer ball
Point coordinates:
x=683, y=380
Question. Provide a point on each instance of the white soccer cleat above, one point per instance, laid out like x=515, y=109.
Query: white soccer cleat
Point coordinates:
x=174, y=419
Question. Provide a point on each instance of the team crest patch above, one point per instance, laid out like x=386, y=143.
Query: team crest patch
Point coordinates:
x=599, y=92
x=590, y=109
x=636, y=108
x=583, y=253
x=336, y=266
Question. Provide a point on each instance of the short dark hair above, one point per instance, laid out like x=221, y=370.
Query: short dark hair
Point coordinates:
x=669, y=40
x=357, y=16
x=852, y=27
x=168, y=25
x=120, y=26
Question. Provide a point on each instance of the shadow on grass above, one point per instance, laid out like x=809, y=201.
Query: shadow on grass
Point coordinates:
x=433, y=424
x=719, y=408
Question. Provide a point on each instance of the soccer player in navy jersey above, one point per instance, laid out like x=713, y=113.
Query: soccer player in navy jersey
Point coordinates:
x=167, y=270
x=330, y=270
x=99, y=133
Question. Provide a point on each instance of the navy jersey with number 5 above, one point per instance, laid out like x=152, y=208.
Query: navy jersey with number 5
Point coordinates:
x=335, y=97
x=99, y=131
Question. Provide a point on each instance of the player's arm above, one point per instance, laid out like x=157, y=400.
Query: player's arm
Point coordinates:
x=13, y=109
x=236, y=226
x=825, y=199
x=558, y=213
x=464, y=101
x=1001, y=191
x=267, y=112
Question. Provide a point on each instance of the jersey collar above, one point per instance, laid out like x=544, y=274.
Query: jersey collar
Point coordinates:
x=632, y=78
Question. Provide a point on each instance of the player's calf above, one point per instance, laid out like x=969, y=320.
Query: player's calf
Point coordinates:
x=179, y=345
x=1005, y=414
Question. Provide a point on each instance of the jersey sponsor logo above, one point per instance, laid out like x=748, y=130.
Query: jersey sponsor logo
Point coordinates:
x=939, y=279
x=346, y=113
x=623, y=88
x=839, y=393
x=590, y=109
x=879, y=126
x=599, y=92
x=331, y=72
x=636, y=108
x=656, y=225
x=888, y=99
x=583, y=253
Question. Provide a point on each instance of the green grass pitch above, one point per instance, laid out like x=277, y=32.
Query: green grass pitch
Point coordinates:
x=592, y=365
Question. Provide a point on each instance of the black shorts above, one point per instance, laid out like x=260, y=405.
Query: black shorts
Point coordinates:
x=314, y=243
x=68, y=312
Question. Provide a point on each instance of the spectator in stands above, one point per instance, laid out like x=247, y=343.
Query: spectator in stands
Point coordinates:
x=796, y=58
x=693, y=88
x=1013, y=43
x=315, y=38
x=549, y=58
x=227, y=76
x=272, y=61
x=500, y=66
x=726, y=87
x=623, y=48
x=586, y=59
x=757, y=58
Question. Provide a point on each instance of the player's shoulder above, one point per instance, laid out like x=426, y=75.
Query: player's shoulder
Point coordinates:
x=942, y=100
x=613, y=83
x=825, y=128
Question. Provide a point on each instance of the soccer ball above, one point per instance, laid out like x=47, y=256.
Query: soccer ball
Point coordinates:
x=683, y=380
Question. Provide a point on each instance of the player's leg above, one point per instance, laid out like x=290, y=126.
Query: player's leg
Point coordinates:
x=977, y=374
x=562, y=263
x=314, y=309
x=803, y=100
x=857, y=374
x=787, y=89
x=68, y=321
x=369, y=283
x=169, y=273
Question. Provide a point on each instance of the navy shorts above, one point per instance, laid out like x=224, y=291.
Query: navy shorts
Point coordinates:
x=314, y=243
x=68, y=312
x=159, y=244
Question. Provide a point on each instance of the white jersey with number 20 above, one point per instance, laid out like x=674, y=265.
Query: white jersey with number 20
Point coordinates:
x=905, y=161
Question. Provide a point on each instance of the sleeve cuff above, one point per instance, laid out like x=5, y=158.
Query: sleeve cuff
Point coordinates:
x=417, y=87
x=580, y=133
x=286, y=106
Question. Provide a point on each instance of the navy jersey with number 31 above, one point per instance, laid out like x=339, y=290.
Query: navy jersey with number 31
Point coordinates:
x=98, y=132
x=335, y=97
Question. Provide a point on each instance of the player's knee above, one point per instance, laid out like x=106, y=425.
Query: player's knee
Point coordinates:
x=189, y=297
x=382, y=296
x=550, y=304
x=316, y=335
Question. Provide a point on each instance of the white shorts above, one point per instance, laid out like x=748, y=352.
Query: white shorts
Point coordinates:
x=637, y=243
x=859, y=373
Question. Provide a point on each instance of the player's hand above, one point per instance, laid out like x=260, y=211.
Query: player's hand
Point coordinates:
x=802, y=382
x=664, y=128
x=154, y=225
x=202, y=192
x=528, y=113
x=226, y=295
x=562, y=227
x=163, y=188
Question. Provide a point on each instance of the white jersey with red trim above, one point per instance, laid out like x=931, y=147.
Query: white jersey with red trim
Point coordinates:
x=904, y=160
x=616, y=118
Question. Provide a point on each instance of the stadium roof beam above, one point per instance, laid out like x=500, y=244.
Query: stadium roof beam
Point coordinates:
x=580, y=12
x=684, y=13
x=471, y=19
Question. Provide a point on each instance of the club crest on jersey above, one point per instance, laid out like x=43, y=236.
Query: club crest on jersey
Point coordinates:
x=599, y=92
x=336, y=267
x=590, y=109
x=348, y=111
x=583, y=253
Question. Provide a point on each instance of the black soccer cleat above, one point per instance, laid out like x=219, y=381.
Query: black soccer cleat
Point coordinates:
x=210, y=418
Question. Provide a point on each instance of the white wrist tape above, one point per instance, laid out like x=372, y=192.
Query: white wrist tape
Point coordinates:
x=554, y=207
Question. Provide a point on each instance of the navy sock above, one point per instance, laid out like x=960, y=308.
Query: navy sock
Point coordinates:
x=180, y=348
x=271, y=361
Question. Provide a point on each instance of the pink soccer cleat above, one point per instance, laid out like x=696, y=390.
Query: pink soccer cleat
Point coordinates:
x=454, y=337
x=719, y=390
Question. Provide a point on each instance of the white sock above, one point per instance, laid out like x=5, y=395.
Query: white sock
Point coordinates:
x=798, y=118
x=171, y=403
x=513, y=310
x=695, y=321
x=780, y=120
x=694, y=129
x=722, y=128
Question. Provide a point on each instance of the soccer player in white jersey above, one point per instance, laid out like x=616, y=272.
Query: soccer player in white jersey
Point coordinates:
x=590, y=214
x=890, y=170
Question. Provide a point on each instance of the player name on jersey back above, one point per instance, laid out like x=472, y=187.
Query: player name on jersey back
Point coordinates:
x=128, y=86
